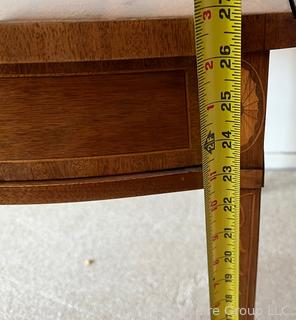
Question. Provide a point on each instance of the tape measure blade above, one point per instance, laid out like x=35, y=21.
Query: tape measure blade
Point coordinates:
x=218, y=50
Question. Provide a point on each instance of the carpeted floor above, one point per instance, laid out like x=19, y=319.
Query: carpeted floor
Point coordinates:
x=149, y=258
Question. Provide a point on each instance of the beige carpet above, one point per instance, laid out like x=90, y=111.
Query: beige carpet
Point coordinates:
x=149, y=258
x=276, y=287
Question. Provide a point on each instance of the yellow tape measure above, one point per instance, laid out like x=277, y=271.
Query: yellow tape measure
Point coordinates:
x=218, y=50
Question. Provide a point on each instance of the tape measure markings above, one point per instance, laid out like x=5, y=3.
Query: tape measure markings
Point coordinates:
x=218, y=48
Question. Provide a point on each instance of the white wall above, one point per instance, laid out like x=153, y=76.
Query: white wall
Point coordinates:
x=280, y=137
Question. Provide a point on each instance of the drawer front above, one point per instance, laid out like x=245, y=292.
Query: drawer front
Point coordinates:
x=72, y=120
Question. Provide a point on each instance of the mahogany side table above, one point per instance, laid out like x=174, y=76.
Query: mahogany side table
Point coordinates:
x=105, y=109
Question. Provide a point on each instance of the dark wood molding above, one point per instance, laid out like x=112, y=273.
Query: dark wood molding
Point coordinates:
x=64, y=41
x=72, y=190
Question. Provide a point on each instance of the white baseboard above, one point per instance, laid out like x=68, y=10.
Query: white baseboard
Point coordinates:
x=286, y=160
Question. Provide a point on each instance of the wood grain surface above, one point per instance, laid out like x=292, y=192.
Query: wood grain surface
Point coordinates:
x=249, y=239
x=111, y=117
x=252, y=155
x=281, y=31
x=72, y=120
x=94, y=115
x=27, y=42
x=76, y=120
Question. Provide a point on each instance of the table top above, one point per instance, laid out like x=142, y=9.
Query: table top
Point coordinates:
x=113, y=9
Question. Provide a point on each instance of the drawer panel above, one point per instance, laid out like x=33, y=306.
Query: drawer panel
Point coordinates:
x=95, y=115
x=94, y=119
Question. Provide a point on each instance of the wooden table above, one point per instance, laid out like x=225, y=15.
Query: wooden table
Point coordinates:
x=107, y=109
